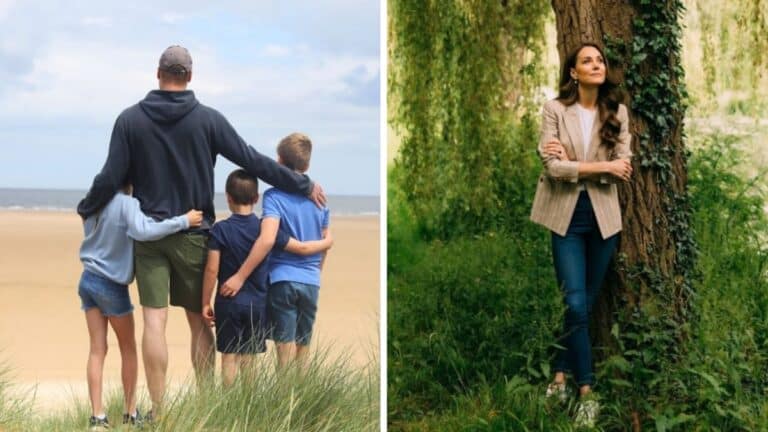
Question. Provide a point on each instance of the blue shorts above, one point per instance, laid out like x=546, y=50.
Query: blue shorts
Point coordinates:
x=292, y=309
x=110, y=297
x=240, y=328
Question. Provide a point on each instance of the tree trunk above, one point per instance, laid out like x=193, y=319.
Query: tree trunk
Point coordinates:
x=654, y=261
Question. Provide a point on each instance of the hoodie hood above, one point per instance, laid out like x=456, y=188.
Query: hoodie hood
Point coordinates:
x=168, y=106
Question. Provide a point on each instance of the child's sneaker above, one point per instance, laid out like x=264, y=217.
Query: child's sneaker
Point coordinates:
x=133, y=419
x=557, y=391
x=98, y=424
x=586, y=412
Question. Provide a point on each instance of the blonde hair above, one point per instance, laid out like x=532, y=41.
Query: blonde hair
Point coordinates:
x=295, y=151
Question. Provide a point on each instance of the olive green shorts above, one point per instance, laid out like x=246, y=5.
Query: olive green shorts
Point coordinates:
x=172, y=266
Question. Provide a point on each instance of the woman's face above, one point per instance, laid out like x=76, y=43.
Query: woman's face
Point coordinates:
x=590, y=67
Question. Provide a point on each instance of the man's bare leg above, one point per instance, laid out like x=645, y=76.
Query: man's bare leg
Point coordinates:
x=155, y=353
x=203, y=354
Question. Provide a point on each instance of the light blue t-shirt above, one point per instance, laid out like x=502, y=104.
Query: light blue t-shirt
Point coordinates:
x=107, y=249
x=301, y=219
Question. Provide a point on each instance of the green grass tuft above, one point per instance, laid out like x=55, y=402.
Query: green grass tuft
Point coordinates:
x=327, y=395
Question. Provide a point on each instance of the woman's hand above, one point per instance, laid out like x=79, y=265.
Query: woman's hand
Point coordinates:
x=620, y=168
x=554, y=148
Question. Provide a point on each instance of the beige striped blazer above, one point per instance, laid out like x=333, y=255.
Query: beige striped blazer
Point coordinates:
x=558, y=186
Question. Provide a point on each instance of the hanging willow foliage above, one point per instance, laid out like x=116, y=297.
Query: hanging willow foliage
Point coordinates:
x=727, y=54
x=462, y=73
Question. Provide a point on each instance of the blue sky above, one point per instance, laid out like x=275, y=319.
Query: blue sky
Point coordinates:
x=272, y=68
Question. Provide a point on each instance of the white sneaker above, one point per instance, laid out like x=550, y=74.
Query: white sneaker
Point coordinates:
x=586, y=413
x=557, y=391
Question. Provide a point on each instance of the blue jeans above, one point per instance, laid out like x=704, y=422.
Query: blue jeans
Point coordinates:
x=292, y=308
x=581, y=260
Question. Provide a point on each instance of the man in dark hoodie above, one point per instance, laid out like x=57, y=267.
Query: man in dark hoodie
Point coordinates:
x=166, y=145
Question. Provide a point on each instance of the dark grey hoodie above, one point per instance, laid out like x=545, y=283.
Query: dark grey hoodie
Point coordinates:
x=166, y=146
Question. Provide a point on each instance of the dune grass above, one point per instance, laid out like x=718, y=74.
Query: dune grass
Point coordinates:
x=15, y=407
x=328, y=394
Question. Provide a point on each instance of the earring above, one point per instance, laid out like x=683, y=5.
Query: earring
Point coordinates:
x=575, y=82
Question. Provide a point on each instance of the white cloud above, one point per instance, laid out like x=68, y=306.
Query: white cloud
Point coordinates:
x=97, y=21
x=310, y=79
x=88, y=79
x=172, y=17
x=81, y=79
x=274, y=50
x=5, y=8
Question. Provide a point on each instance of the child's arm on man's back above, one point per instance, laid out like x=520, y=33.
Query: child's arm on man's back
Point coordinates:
x=309, y=247
x=259, y=251
x=209, y=284
x=326, y=233
x=143, y=228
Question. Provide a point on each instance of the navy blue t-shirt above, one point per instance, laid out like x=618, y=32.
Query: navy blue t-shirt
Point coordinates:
x=233, y=238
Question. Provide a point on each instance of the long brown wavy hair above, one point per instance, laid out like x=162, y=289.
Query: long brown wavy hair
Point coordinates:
x=608, y=96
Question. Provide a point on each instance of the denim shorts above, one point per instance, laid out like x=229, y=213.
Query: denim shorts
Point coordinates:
x=110, y=297
x=240, y=328
x=292, y=308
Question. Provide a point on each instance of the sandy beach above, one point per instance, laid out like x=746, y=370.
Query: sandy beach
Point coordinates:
x=43, y=338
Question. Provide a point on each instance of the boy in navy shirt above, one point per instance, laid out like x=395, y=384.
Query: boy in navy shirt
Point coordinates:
x=294, y=280
x=240, y=315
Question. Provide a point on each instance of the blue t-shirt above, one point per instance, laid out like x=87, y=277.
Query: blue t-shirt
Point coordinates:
x=233, y=238
x=301, y=219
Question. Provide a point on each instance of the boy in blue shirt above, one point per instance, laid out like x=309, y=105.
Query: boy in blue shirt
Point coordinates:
x=240, y=315
x=107, y=257
x=294, y=280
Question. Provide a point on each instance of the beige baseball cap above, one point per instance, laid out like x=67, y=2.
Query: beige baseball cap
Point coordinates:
x=176, y=60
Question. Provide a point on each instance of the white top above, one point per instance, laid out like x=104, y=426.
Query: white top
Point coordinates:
x=587, y=119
